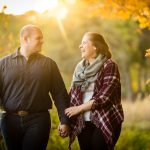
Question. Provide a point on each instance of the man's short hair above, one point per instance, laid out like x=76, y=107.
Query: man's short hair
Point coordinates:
x=27, y=29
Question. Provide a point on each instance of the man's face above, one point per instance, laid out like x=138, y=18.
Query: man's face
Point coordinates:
x=35, y=41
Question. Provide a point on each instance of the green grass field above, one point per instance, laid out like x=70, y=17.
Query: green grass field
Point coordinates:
x=135, y=134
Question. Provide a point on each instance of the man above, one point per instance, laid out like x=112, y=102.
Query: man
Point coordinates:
x=26, y=79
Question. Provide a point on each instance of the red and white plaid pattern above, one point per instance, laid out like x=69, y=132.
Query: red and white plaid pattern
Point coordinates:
x=107, y=113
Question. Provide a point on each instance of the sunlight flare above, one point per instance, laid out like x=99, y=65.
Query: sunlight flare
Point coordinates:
x=18, y=7
x=41, y=6
x=63, y=32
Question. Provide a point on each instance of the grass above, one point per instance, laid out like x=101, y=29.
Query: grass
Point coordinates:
x=135, y=134
x=137, y=112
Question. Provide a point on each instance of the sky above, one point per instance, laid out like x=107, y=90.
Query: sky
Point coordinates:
x=17, y=7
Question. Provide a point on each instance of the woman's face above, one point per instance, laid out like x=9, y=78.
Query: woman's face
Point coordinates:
x=88, y=50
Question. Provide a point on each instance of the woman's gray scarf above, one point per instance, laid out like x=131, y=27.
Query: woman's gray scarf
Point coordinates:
x=85, y=74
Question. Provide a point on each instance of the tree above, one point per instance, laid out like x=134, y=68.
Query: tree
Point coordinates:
x=147, y=53
x=138, y=10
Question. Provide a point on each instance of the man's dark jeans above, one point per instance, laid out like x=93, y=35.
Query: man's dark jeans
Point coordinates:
x=30, y=132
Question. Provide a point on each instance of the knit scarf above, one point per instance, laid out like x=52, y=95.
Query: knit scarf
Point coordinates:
x=86, y=73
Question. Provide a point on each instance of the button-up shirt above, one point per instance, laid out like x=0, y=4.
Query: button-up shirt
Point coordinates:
x=26, y=84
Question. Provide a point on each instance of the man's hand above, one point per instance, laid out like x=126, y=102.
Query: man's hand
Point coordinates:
x=63, y=130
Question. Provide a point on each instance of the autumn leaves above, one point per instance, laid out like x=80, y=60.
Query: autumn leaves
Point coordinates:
x=147, y=53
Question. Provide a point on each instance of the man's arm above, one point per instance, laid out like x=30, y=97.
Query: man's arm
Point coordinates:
x=59, y=93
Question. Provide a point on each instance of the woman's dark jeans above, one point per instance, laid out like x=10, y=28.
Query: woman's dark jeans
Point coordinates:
x=30, y=132
x=91, y=138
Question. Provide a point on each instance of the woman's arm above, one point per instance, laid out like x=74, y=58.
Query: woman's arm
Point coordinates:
x=72, y=111
x=110, y=81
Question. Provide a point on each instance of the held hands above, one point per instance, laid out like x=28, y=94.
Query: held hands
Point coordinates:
x=147, y=53
x=72, y=111
x=63, y=130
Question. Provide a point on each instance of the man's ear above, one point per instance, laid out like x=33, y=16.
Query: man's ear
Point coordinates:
x=94, y=47
x=26, y=39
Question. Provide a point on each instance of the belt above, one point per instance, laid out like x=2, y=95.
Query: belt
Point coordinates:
x=21, y=113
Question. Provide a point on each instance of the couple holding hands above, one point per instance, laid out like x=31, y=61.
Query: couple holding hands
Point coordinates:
x=92, y=111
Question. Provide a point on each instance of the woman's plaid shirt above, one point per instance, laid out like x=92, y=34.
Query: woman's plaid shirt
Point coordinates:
x=106, y=112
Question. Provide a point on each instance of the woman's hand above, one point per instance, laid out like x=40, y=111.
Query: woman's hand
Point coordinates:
x=72, y=111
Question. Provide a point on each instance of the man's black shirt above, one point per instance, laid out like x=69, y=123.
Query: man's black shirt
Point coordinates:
x=26, y=84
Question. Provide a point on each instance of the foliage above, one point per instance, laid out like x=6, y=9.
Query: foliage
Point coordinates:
x=126, y=40
x=56, y=142
x=147, y=53
x=137, y=112
x=133, y=138
x=62, y=37
x=135, y=134
x=139, y=10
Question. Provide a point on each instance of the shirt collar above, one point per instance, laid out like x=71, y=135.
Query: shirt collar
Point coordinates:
x=16, y=53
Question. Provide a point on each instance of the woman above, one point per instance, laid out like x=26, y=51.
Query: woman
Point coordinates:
x=95, y=108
